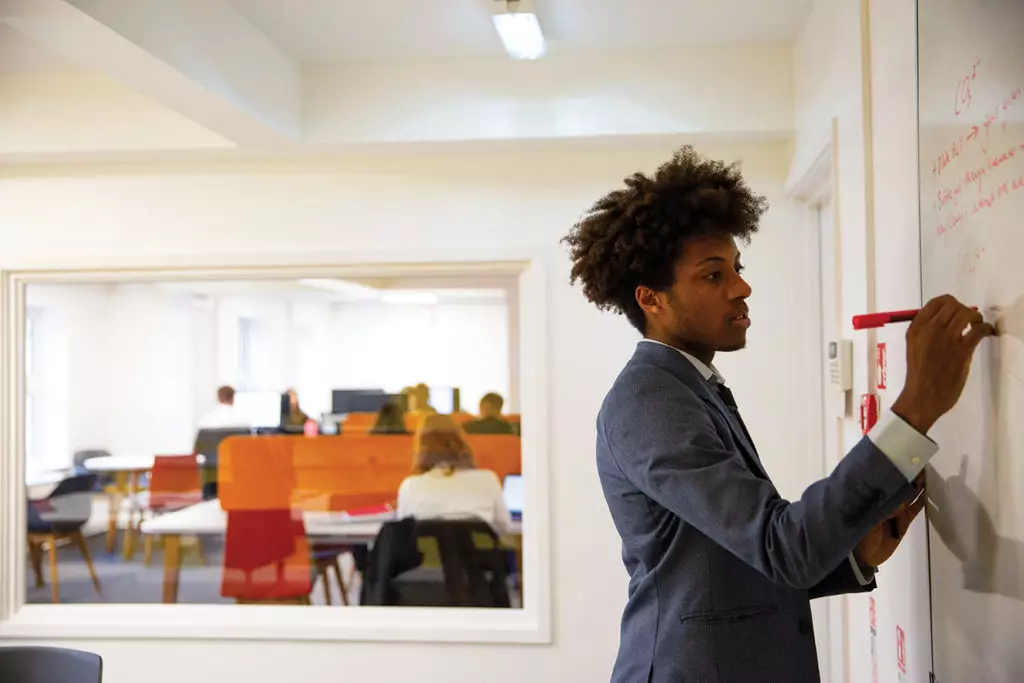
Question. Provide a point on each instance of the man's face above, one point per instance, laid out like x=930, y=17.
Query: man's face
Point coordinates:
x=705, y=310
x=488, y=409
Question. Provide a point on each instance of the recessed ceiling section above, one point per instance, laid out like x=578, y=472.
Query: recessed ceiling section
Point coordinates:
x=330, y=30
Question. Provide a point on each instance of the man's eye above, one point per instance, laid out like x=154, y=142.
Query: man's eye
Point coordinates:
x=713, y=277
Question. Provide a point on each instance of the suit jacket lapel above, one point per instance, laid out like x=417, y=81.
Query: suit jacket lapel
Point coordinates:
x=746, y=447
x=678, y=365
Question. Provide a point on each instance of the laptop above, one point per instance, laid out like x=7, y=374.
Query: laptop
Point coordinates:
x=512, y=492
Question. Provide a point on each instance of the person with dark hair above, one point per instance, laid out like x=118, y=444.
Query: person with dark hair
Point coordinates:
x=390, y=420
x=292, y=415
x=721, y=567
x=490, y=420
x=224, y=415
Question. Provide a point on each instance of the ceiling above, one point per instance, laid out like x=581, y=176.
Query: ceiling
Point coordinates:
x=364, y=30
x=20, y=54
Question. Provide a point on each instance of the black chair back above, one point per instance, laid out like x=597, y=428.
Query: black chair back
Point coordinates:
x=48, y=665
x=77, y=484
x=471, y=575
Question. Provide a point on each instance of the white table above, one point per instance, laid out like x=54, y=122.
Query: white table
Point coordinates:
x=127, y=469
x=208, y=518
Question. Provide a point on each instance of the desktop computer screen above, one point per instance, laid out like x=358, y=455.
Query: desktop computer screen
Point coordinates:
x=345, y=401
x=262, y=409
x=445, y=400
x=512, y=492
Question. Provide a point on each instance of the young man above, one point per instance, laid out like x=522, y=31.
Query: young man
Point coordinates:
x=490, y=420
x=721, y=567
x=225, y=415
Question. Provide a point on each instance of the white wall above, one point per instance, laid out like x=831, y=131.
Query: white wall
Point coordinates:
x=527, y=199
x=395, y=346
x=880, y=122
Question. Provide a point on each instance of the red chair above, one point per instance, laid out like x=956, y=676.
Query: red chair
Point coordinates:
x=175, y=483
x=266, y=558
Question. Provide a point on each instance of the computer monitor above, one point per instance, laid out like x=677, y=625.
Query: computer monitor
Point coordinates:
x=345, y=401
x=261, y=409
x=512, y=492
x=445, y=400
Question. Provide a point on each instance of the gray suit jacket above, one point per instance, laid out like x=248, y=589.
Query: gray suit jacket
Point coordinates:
x=721, y=568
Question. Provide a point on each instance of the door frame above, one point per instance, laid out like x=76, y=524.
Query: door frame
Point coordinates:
x=812, y=187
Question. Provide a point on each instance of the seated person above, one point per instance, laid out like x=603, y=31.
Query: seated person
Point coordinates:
x=447, y=483
x=225, y=415
x=292, y=416
x=490, y=420
x=419, y=400
x=390, y=420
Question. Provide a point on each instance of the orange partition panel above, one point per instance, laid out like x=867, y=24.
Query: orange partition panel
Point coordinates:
x=256, y=472
x=500, y=453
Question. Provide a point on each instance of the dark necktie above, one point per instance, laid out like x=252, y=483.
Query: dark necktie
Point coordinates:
x=730, y=402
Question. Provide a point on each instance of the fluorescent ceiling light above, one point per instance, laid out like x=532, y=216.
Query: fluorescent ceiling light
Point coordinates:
x=409, y=297
x=342, y=287
x=519, y=29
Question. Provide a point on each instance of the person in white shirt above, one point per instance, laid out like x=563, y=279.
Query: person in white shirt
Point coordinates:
x=447, y=483
x=224, y=416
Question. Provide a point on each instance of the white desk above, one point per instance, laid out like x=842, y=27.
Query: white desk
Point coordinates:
x=127, y=468
x=109, y=464
x=208, y=518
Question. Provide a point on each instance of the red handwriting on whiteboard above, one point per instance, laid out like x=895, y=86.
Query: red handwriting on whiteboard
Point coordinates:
x=1004, y=189
x=969, y=261
x=945, y=195
x=972, y=176
x=962, y=100
x=947, y=156
x=999, y=159
x=955, y=221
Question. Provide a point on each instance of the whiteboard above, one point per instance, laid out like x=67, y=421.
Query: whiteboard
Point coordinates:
x=971, y=137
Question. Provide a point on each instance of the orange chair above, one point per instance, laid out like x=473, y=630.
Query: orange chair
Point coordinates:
x=175, y=483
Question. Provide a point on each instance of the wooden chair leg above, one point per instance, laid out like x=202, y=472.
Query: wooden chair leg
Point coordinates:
x=341, y=581
x=35, y=551
x=147, y=554
x=203, y=559
x=53, y=568
x=79, y=540
x=115, y=503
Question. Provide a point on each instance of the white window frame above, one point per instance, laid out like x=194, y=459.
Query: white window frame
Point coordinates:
x=531, y=624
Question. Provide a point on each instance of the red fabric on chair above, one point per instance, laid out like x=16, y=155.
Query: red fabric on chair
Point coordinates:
x=266, y=556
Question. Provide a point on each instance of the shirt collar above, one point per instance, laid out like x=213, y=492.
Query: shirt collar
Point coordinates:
x=709, y=372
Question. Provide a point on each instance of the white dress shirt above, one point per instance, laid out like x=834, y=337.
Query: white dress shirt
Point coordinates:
x=223, y=417
x=459, y=495
x=907, y=449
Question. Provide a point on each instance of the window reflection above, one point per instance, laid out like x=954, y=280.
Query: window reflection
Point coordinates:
x=286, y=442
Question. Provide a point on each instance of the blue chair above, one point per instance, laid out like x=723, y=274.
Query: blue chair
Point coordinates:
x=49, y=664
x=59, y=516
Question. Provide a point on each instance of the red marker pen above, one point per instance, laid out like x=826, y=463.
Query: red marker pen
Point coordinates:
x=863, y=322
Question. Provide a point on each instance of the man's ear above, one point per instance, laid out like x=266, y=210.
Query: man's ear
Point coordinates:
x=648, y=299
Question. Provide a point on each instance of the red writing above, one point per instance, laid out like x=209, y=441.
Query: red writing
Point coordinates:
x=948, y=194
x=901, y=650
x=962, y=99
x=984, y=203
x=947, y=156
x=1000, y=159
x=953, y=223
x=975, y=176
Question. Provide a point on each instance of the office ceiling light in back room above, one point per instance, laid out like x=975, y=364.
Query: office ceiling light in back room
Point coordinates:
x=519, y=29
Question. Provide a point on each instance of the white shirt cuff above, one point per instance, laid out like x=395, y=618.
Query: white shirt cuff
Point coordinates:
x=861, y=579
x=908, y=449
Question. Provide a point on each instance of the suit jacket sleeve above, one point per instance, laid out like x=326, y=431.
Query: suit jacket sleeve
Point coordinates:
x=662, y=439
x=839, y=581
